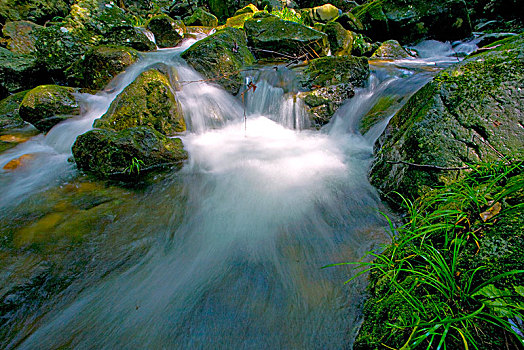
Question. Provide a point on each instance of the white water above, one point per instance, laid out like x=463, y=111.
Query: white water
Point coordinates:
x=268, y=206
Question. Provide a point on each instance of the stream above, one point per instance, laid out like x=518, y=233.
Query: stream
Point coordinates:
x=226, y=253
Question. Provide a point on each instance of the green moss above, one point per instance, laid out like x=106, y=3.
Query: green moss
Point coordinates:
x=201, y=18
x=238, y=20
x=149, y=100
x=332, y=70
x=9, y=117
x=340, y=39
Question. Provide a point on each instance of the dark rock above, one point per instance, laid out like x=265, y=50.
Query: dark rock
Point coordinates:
x=9, y=116
x=466, y=113
x=340, y=39
x=129, y=36
x=148, y=101
x=100, y=65
x=350, y=22
x=126, y=154
x=391, y=49
x=272, y=37
x=18, y=72
x=168, y=32
x=323, y=102
x=221, y=55
x=47, y=105
x=412, y=20
x=490, y=38
x=201, y=18
x=325, y=71
x=21, y=36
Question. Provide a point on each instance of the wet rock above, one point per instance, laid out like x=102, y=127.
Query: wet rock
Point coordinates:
x=411, y=20
x=340, y=39
x=201, y=18
x=19, y=162
x=221, y=56
x=18, y=72
x=129, y=36
x=126, y=154
x=272, y=37
x=47, y=105
x=247, y=9
x=322, y=103
x=9, y=116
x=21, y=36
x=100, y=65
x=325, y=71
x=391, y=49
x=470, y=112
x=148, y=101
x=168, y=32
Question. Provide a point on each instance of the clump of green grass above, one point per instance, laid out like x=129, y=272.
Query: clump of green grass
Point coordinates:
x=288, y=14
x=438, y=285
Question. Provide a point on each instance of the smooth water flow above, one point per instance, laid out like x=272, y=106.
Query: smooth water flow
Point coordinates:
x=268, y=204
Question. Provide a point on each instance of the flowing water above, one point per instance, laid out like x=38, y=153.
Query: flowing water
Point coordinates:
x=266, y=204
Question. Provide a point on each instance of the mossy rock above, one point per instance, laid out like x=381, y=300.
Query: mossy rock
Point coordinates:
x=323, y=13
x=391, y=49
x=246, y=9
x=238, y=20
x=412, y=20
x=340, y=39
x=127, y=153
x=18, y=72
x=59, y=47
x=9, y=116
x=350, y=22
x=221, y=56
x=21, y=36
x=129, y=36
x=201, y=18
x=272, y=37
x=332, y=70
x=148, y=101
x=466, y=113
x=168, y=32
x=47, y=105
x=100, y=65
x=37, y=11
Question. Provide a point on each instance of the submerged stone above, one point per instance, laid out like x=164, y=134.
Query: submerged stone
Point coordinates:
x=272, y=37
x=47, y=105
x=100, y=65
x=148, y=101
x=221, y=57
x=470, y=112
x=126, y=154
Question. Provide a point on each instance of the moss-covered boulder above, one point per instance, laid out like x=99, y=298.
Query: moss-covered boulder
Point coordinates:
x=129, y=36
x=411, y=20
x=58, y=47
x=37, y=11
x=221, y=56
x=168, y=32
x=201, y=18
x=238, y=21
x=331, y=81
x=47, y=105
x=148, y=101
x=340, y=39
x=470, y=112
x=100, y=65
x=9, y=116
x=391, y=49
x=331, y=70
x=21, y=36
x=246, y=9
x=18, y=72
x=272, y=37
x=126, y=154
